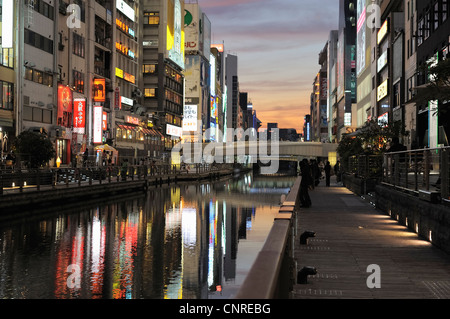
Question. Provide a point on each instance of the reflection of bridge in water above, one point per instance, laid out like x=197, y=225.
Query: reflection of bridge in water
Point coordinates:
x=246, y=192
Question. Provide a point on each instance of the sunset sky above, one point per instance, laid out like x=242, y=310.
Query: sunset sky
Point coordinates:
x=278, y=44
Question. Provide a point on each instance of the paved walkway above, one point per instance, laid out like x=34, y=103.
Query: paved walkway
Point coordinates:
x=350, y=236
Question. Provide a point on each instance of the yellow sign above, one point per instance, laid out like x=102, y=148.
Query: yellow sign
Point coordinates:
x=382, y=90
x=119, y=73
x=382, y=32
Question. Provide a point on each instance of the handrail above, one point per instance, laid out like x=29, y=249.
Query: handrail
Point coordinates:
x=272, y=273
x=26, y=178
x=417, y=171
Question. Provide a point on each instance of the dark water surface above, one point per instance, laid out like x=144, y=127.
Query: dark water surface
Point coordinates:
x=192, y=241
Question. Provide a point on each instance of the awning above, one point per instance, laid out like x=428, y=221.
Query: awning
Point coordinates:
x=126, y=127
x=158, y=133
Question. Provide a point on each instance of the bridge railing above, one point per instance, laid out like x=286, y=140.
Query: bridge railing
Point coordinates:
x=272, y=275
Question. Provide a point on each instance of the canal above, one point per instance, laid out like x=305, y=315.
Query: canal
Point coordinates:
x=190, y=240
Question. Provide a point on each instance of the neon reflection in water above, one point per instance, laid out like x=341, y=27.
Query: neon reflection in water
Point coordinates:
x=186, y=241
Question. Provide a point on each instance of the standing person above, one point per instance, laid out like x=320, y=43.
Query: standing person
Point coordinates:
x=337, y=171
x=305, y=183
x=316, y=172
x=124, y=169
x=85, y=157
x=327, y=173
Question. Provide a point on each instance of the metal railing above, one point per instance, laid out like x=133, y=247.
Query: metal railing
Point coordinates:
x=365, y=166
x=20, y=179
x=418, y=170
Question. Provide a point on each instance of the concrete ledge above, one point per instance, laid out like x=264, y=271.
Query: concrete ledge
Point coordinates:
x=262, y=282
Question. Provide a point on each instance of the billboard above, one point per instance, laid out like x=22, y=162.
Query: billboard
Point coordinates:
x=206, y=37
x=175, y=32
x=340, y=63
x=98, y=124
x=190, y=118
x=99, y=90
x=79, y=115
x=192, y=27
x=212, y=75
x=361, y=37
x=7, y=23
x=123, y=7
x=64, y=105
x=192, y=76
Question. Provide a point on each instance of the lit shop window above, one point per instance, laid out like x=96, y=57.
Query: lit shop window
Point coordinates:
x=151, y=18
x=149, y=68
x=78, y=81
x=6, y=95
x=149, y=92
x=7, y=57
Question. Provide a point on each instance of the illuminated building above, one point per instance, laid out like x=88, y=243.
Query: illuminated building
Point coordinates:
x=331, y=87
x=346, y=69
x=197, y=92
x=365, y=64
x=8, y=55
x=410, y=68
x=319, y=96
x=234, y=114
x=307, y=128
x=433, y=37
x=163, y=60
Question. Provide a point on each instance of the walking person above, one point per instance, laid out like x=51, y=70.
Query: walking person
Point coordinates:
x=327, y=173
x=306, y=182
x=337, y=171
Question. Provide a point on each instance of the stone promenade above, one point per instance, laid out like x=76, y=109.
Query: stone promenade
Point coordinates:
x=351, y=237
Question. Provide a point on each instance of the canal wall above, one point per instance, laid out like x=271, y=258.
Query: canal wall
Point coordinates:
x=430, y=221
x=357, y=185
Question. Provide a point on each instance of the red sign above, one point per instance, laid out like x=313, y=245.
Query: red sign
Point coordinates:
x=105, y=121
x=79, y=115
x=64, y=105
x=117, y=99
x=132, y=120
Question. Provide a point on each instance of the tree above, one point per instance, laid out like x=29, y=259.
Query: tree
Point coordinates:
x=438, y=86
x=35, y=149
x=370, y=139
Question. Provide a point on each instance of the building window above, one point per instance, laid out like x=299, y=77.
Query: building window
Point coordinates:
x=151, y=18
x=78, y=45
x=148, y=68
x=427, y=28
x=38, y=77
x=436, y=16
x=38, y=41
x=6, y=95
x=420, y=31
x=444, y=10
x=78, y=81
x=80, y=3
x=42, y=7
x=6, y=56
x=149, y=92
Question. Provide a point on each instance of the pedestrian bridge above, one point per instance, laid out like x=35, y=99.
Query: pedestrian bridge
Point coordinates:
x=259, y=150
